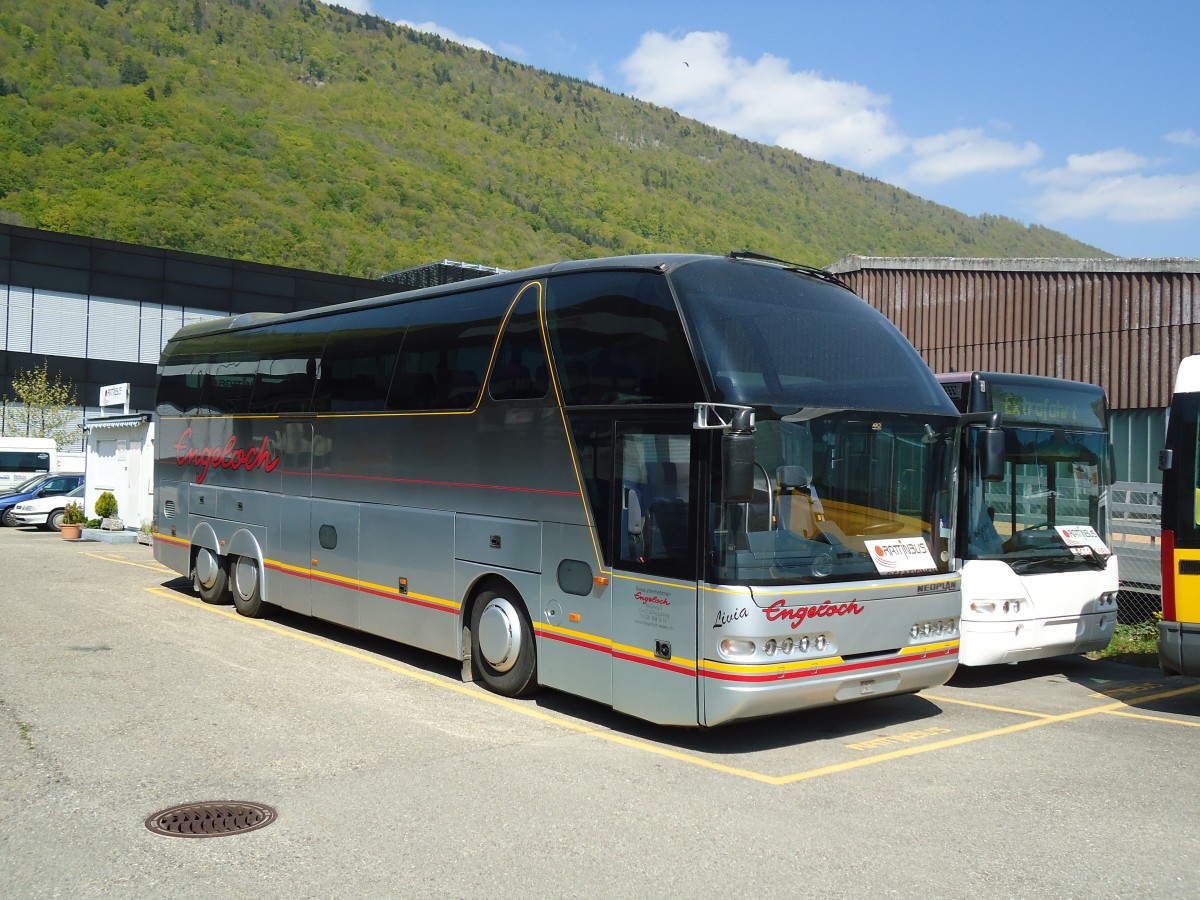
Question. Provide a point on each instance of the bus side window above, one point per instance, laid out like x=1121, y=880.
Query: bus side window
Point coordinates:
x=445, y=355
x=287, y=369
x=617, y=338
x=655, y=479
x=356, y=366
x=521, y=370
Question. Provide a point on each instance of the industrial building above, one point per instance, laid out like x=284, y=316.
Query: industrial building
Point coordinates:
x=1123, y=324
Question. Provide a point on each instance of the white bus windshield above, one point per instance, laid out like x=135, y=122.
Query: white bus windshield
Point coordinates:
x=1054, y=479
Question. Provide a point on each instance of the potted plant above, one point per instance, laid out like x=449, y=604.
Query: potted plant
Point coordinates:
x=72, y=522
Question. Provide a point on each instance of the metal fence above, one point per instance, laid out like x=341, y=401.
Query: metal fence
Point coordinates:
x=1136, y=529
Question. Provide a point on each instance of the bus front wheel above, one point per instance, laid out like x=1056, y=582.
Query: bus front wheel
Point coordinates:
x=246, y=584
x=209, y=577
x=502, y=643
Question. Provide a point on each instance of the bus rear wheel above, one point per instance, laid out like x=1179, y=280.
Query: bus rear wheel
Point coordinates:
x=246, y=585
x=502, y=643
x=209, y=577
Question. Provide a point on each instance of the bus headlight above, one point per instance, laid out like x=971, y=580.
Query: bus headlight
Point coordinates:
x=737, y=647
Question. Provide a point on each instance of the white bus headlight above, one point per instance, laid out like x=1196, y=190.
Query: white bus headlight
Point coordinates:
x=737, y=647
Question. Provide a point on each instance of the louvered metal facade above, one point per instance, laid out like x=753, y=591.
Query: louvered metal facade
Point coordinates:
x=1123, y=324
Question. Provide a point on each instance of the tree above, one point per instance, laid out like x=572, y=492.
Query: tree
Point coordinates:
x=43, y=407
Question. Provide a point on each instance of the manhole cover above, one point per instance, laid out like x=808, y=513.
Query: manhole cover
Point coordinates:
x=211, y=819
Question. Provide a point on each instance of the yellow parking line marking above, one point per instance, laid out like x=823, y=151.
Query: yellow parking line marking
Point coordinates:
x=1129, y=715
x=1037, y=720
x=156, y=567
x=987, y=706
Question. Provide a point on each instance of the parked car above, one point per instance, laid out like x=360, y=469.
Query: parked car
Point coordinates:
x=38, y=487
x=46, y=512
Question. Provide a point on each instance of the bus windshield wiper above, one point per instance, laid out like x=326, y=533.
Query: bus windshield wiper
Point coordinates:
x=798, y=267
x=1058, y=561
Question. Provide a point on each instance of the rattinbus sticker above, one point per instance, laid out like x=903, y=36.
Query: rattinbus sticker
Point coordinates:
x=897, y=556
x=1082, y=536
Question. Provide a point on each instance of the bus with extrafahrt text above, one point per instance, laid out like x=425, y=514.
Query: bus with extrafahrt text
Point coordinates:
x=694, y=488
x=1038, y=577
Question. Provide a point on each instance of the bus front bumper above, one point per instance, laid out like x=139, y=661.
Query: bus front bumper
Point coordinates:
x=988, y=643
x=729, y=696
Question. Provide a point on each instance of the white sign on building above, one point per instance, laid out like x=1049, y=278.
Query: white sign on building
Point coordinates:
x=115, y=395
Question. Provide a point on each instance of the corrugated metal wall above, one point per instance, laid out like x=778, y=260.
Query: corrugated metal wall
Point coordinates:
x=1124, y=327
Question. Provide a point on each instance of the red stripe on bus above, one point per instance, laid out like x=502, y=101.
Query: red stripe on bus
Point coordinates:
x=747, y=677
x=827, y=670
x=616, y=654
x=362, y=589
x=657, y=664
x=426, y=483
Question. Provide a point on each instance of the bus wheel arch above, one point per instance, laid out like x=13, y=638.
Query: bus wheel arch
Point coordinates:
x=246, y=582
x=210, y=576
x=503, y=644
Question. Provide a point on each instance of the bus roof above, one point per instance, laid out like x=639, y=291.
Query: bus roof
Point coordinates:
x=661, y=262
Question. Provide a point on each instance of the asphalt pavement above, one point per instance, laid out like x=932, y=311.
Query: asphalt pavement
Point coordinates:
x=122, y=695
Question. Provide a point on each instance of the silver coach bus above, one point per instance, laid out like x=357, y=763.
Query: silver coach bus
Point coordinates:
x=694, y=488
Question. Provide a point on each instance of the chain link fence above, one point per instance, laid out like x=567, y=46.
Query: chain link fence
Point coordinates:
x=1136, y=529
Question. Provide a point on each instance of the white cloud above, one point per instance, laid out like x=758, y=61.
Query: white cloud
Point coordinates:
x=1183, y=137
x=448, y=34
x=967, y=151
x=1083, y=168
x=698, y=76
x=1127, y=198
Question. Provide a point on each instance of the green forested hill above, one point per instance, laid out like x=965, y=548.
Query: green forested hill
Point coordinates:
x=289, y=132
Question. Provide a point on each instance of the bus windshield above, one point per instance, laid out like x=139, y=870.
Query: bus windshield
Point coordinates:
x=1054, y=480
x=773, y=336
x=837, y=493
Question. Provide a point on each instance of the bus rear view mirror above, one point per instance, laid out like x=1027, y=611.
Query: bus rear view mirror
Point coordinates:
x=1166, y=459
x=737, y=455
x=991, y=454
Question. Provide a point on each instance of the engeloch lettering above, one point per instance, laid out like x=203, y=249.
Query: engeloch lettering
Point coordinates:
x=651, y=598
x=229, y=456
x=779, y=611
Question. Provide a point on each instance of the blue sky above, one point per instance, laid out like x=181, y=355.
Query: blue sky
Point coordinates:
x=1079, y=115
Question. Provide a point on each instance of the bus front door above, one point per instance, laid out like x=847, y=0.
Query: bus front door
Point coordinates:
x=654, y=596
